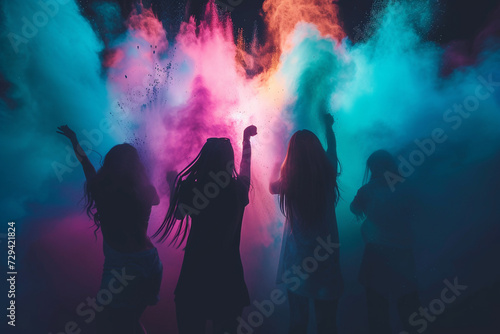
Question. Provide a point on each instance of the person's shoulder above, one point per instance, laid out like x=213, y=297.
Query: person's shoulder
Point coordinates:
x=366, y=188
x=97, y=188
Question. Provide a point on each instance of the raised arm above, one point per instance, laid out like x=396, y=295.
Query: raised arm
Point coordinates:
x=331, y=141
x=275, y=186
x=88, y=168
x=247, y=153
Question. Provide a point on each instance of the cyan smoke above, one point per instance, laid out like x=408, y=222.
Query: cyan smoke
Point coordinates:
x=389, y=92
x=50, y=61
x=51, y=67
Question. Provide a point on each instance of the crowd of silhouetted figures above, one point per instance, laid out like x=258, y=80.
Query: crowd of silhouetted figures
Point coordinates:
x=211, y=285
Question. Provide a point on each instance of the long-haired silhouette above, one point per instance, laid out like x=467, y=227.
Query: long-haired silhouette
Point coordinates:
x=119, y=197
x=308, y=192
x=388, y=266
x=207, y=203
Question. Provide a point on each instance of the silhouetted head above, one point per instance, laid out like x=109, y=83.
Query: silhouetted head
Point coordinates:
x=304, y=150
x=121, y=173
x=378, y=164
x=307, y=177
x=123, y=162
x=216, y=155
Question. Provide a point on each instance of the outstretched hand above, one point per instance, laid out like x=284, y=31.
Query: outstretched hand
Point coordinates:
x=66, y=131
x=250, y=131
x=328, y=120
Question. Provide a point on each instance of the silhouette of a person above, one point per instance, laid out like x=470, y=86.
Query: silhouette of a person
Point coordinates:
x=308, y=193
x=119, y=197
x=210, y=196
x=388, y=265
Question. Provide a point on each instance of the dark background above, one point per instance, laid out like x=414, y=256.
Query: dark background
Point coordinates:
x=454, y=20
x=458, y=20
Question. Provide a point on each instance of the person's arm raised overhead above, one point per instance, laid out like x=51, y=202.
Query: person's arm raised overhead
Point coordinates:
x=274, y=186
x=247, y=153
x=331, y=141
x=88, y=168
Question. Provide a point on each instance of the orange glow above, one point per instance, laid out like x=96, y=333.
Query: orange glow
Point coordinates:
x=281, y=16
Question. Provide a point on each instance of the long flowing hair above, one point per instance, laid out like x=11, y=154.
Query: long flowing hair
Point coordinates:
x=378, y=164
x=307, y=179
x=215, y=156
x=122, y=171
